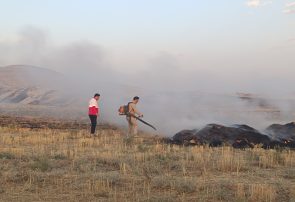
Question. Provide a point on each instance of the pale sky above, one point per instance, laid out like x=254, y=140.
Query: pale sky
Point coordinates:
x=222, y=37
x=156, y=25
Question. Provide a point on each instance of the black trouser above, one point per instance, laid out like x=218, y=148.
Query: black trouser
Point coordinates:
x=93, y=119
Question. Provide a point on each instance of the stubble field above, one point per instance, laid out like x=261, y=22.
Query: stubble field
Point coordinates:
x=44, y=164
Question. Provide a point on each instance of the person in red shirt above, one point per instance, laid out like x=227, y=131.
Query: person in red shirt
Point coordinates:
x=93, y=112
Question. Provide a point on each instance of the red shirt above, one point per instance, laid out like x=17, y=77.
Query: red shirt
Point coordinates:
x=93, y=107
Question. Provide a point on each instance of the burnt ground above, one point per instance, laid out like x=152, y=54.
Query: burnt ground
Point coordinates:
x=238, y=136
x=47, y=123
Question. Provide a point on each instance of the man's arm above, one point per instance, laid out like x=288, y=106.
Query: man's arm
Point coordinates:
x=133, y=108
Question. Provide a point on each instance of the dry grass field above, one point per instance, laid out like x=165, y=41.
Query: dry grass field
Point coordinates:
x=64, y=165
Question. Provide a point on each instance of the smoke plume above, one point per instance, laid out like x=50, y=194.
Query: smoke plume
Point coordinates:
x=177, y=91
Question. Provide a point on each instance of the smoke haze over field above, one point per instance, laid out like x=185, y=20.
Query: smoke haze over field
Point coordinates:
x=177, y=91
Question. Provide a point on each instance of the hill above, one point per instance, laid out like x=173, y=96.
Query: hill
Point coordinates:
x=23, y=84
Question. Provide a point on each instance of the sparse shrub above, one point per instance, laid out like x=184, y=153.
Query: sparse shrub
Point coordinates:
x=290, y=174
x=59, y=157
x=151, y=169
x=6, y=155
x=17, y=177
x=161, y=183
x=109, y=164
x=161, y=157
x=81, y=166
x=142, y=148
x=176, y=166
x=128, y=141
x=224, y=191
x=41, y=164
x=165, y=158
x=162, y=198
x=101, y=194
x=185, y=185
x=112, y=178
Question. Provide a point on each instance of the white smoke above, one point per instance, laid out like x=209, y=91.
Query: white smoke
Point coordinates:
x=175, y=93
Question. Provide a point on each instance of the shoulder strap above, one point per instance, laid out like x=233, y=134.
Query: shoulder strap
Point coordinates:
x=128, y=105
